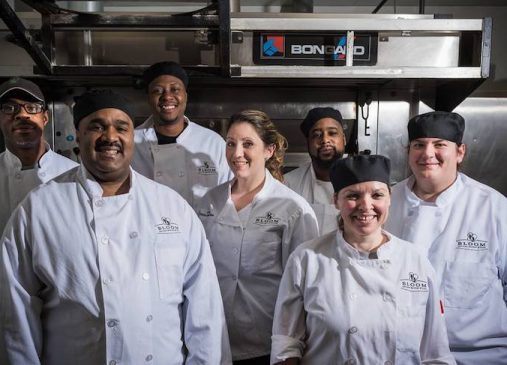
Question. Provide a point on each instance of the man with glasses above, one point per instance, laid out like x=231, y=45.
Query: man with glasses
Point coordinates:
x=28, y=160
x=326, y=141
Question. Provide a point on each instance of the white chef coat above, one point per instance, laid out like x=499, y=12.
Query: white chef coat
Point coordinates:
x=464, y=234
x=336, y=306
x=304, y=182
x=191, y=166
x=15, y=183
x=126, y=279
x=250, y=259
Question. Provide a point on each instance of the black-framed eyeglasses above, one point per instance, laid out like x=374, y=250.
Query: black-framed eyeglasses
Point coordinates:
x=15, y=108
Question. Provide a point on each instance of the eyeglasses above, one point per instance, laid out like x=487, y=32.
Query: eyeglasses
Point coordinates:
x=15, y=108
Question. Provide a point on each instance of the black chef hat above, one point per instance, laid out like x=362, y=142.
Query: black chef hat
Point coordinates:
x=19, y=88
x=91, y=101
x=357, y=169
x=164, y=68
x=444, y=125
x=317, y=114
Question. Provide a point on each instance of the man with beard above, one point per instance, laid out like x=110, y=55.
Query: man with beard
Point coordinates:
x=119, y=271
x=28, y=160
x=325, y=139
x=171, y=149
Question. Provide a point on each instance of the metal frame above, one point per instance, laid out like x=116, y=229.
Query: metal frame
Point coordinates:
x=452, y=84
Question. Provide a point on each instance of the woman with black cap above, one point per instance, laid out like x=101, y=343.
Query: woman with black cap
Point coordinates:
x=253, y=223
x=359, y=295
x=461, y=225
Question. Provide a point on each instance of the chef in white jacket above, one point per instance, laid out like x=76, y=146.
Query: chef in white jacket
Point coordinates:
x=253, y=223
x=461, y=225
x=326, y=142
x=171, y=149
x=28, y=160
x=104, y=266
x=359, y=295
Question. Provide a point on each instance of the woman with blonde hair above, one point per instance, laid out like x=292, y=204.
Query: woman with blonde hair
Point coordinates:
x=253, y=223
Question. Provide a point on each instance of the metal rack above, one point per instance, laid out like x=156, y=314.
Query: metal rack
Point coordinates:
x=231, y=39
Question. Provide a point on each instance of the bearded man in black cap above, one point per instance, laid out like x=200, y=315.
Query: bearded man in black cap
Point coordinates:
x=461, y=225
x=171, y=149
x=120, y=273
x=326, y=142
x=28, y=160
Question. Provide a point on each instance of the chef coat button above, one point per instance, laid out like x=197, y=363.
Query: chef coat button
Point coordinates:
x=107, y=281
x=353, y=296
x=149, y=358
x=17, y=175
x=386, y=297
x=99, y=203
x=42, y=174
x=156, y=149
x=146, y=276
x=133, y=234
x=112, y=323
x=388, y=362
x=220, y=219
x=105, y=240
x=235, y=251
x=181, y=174
x=112, y=362
x=352, y=330
x=350, y=362
x=149, y=318
x=158, y=173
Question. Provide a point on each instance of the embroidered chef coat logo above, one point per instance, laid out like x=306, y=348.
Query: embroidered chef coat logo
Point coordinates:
x=167, y=227
x=471, y=242
x=268, y=220
x=207, y=169
x=413, y=283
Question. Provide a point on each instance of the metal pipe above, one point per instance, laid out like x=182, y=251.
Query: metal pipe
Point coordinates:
x=379, y=6
x=421, y=6
x=85, y=6
x=235, y=6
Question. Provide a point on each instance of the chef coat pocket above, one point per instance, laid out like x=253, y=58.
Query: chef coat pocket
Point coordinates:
x=411, y=319
x=466, y=283
x=169, y=261
x=262, y=253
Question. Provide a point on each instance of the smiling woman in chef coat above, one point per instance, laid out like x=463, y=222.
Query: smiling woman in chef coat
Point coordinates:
x=461, y=225
x=359, y=295
x=253, y=223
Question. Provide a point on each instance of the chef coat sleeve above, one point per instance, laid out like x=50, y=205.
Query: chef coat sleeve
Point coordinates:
x=205, y=330
x=302, y=227
x=289, y=326
x=434, y=343
x=20, y=307
x=501, y=257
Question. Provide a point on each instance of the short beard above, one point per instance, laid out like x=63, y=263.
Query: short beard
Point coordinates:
x=326, y=164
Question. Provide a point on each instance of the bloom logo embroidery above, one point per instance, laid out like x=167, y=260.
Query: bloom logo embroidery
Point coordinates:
x=413, y=284
x=268, y=220
x=167, y=227
x=471, y=243
x=207, y=169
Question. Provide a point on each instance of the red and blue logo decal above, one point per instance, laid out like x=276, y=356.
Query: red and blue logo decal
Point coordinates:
x=273, y=45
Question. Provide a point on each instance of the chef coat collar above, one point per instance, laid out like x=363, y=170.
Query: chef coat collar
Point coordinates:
x=151, y=135
x=15, y=163
x=233, y=219
x=92, y=187
x=383, y=252
x=445, y=198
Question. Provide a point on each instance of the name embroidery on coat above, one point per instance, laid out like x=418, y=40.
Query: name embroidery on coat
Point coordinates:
x=167, y=227
x=472, y=243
